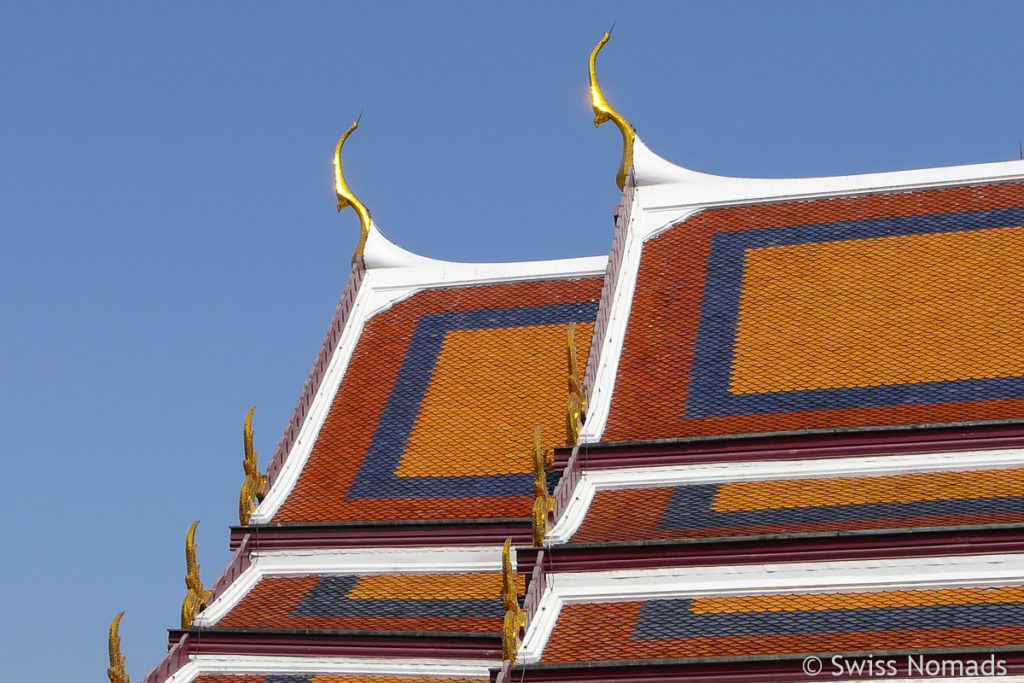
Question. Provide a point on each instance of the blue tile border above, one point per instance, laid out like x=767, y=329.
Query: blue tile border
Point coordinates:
x=709, y=380
x=376, y=477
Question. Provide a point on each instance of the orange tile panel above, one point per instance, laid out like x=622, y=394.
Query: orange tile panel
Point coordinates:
x=653, y=385
x=320, y=495
x=486, y=384
x=837, y=314
x=431, y=586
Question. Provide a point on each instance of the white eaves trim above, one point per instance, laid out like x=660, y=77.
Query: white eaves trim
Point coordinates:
x=200, y=665
x=667, y=194
x=350, y=561
x=382, y=287
x=789, y=577
x=592, y=481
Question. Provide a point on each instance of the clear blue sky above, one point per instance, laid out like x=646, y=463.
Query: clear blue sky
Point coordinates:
x=171, y=253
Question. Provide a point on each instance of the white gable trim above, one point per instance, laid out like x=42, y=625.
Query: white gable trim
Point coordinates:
x=667, y=194
x=382, y=288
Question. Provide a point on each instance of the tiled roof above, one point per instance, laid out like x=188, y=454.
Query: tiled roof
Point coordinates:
x=801, y=505
x=788, y=624
x=325, y=678
x=434, y=417
x=888, y=309
x=373, y=602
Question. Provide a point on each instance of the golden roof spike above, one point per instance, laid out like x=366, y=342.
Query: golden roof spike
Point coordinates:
x=197, y=595
x=604, y=112
x=254, y=488
x=345, y=196
x=116, y=672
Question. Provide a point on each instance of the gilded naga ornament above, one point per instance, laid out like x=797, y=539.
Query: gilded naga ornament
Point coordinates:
x=197, y=595
x=604, y=112
x=515, y=616
x=576, y=409
x=116, y=672
x=544, y=504
x=345, y=196
x=254, y=488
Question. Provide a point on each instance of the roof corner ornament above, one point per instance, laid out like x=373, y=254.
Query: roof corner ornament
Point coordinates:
x=576, y=409
x=197, y=595
x=544, y=504
x=604, y=112
x=254, y=488
x=116, y=672
x=345, y=196
x=515, y=616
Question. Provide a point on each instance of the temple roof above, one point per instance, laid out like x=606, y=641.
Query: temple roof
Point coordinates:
x=436, y=396
x=888, y=308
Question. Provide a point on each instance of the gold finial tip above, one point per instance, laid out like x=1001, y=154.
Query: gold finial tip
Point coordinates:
x=345, y=196
x=603, y=111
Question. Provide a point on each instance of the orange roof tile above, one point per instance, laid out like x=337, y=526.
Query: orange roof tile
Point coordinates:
x=434, y=417
x=900, y=308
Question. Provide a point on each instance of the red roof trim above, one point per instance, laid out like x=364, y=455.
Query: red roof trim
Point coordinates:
x=224, y=641
x=1007, y=538
x=743, y=669
x=804, y=445
x=384, y=534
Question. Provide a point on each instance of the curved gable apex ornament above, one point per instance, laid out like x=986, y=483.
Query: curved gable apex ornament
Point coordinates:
x=345, y=196
x=116, y=672
x=254, y=488
x=604, y=112
x=197, y=595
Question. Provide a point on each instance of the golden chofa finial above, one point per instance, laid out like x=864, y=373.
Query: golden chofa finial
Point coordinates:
x=515, y=616
x=116, y=672
x=543, y=503
x=604, y=112
x=345, y=196
x=254, y=488
x=197, y=595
